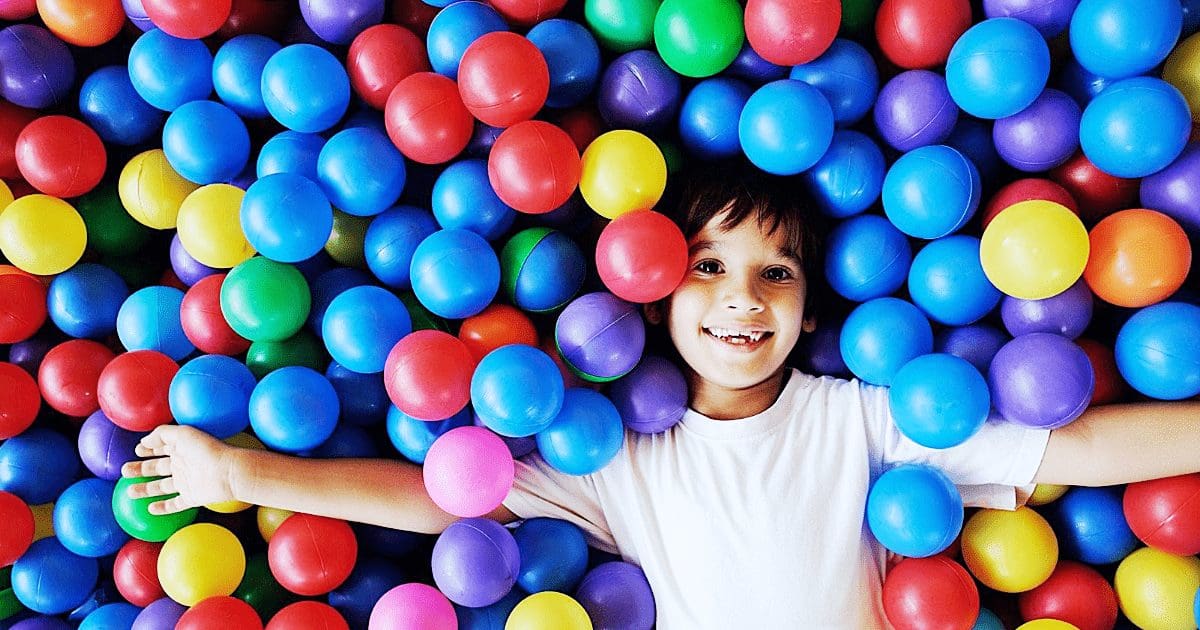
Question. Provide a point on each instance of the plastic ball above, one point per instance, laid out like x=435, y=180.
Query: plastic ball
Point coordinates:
x=21, y=405
x=622, y=171
x=931, y=191
x=708, y=117
x=1117, y=40
x=82, y=23
x=167, y=71
x=293, y=409
x=914, y=109
x=947, y=282
x=930, y=593
x=193, y=19
x=641, y=256
x=202, y=321
x=305, y=88
x=371, y=578
x=572, y=58
x=380, y=57
x=1120, y=141
x=290, y=152
x=622, y=25
x=541, y=269
x=37, y=465
x=914, y=510
x=60, y=156
x=503, y=79
x=1074, y=593
x=161, y=614
x=546, y=610
x=1178, y=71
x=517, y=390
x=83, y=301
x=135, y=572
x=468, y=472
x=785, y=127
x=392, y=238
x=152, y=191
x=919, y=33
x=149, y=319
x=1041, y=136
x=219, y=610
x=939, y=400
x=699, y=39
x=475, y=562
x=1157, y=589
x=534, y=167
x=1091, y=527
x=42, y=235
x=18, y=532
x=426, y=118
x=22, y=304
x=1097, y=192
x=997, y=68
x=454, y=29
x=1137, y=258
x=133, y=389
x=455, y=273
x=750, y=65
x=585, y=435
x=1157, y=513
x=638, y=91
x=361, y=172
x=497, y=325
x=264, y=300
x=1172, y=190
x=428, y=374
x=51, y=580
x=1041, y=380
x=881, y=335
x=462, y=197
x=237, y=73
x=1067, y=314
x=68, y=376
x=600, y=337
x=206, y=142
x=617, y=595
x=308, y=614
x=1110, y=387
x=209, y=229
x=341, y=22
x=134, y=517
x=1146, y=350
x=866, y=257
x=1034, y=250
x=413, y=437
x=201, y=561
x=312, y=555
x=1010, y=552
x=211, y=393
x=553, y=555
x=791, y=33
x=846, y=75
x=413, y=606
x=290, y=233
x=1049, y=17
x=38, y=67
x=83, y=519
x=361, y=326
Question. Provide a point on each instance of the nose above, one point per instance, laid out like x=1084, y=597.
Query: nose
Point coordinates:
x=740, y=292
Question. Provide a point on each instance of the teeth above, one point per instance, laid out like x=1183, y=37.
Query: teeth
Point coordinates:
x=728, y=334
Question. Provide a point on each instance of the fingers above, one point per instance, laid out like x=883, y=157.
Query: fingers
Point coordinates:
x=158, y=442
x=160, y=467
x=155, y=488
x=168, y=506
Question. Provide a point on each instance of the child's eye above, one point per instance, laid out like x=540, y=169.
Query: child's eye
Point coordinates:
x=778, y=273
x=707, y=266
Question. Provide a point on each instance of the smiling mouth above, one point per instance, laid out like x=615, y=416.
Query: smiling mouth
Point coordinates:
x=738, y=337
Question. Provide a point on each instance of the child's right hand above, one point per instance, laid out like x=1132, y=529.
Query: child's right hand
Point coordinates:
x=190, y=462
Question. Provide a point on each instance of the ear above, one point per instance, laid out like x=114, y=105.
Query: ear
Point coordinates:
x=654, y=311
x=809, y=324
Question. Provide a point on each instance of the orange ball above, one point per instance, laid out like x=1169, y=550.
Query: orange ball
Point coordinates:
x=83, y=22
x=495, y=326
x=1138, y=258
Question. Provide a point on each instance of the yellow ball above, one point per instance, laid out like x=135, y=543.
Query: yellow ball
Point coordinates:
x=269, y=519
x=1182, y=70
x=42, y=235
x=1011, y=552
x=1156, y=589
x=1047, y=624
x=152, y=191
x=548, y=610
x=210, y=227
x=199, y=561
x=623, y=171
x=43, y=520
x=242, y=440
x=6, y=196
x=1034, y=249
x=1045, y=493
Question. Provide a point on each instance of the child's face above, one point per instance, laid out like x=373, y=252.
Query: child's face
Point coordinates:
x=740, y=308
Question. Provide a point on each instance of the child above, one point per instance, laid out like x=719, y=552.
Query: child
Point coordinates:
x=750, y=512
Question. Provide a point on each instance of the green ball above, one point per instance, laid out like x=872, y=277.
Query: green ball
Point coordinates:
x=673, y=155
x=345, y=244
x=699, y=38
x=621, y=25
x=421, y=318
x=110, y=229
x=513, y=256
x=857, y=16
x=302, y=348
x=264, y=300
x=134, y=517
x=136, y=271
x=9, y=604
x=260, y=589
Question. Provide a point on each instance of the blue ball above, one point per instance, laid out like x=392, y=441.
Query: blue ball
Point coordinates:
x=115, y=616
x=370, y=579
x=206, y=142
x=455, y=273
x=914, y=510
x=585, y=435
x=491, y=617
x=37, y=465
x=931, y=191
x=412, y=437
x=348, y=440
x=168, y=71
x=708, y=118
x=554, y=555
x=1118, y=39
x=84, y=521
x=750, y=66
x=849, y=177
x=290, y=152
x=939, y=400
x=237, y=73
x=977, y=343
x=392, y=238
x=293, y=409
x=846, y=75
x=305, y=88
x=51, y=580
x=973, y=138
x=286, y=217
x=947, y=282
x=149, y=320
x=1080, y=83
x=881, y=335
x=866, y=257
x=456, y=27
x=987, y=621
x=785, y=127
x=110, y=105
x=83, y=301
x=361, y=171
x=1120, y=139
x=211, y=393
x=1090, y=524
x=361, y=325
x=997, y=68
x=463, y=198
x=548, y=276
x=1147, y=350
x=329, y=285
x=363, y=397
x=517, y=390
x=573, y=58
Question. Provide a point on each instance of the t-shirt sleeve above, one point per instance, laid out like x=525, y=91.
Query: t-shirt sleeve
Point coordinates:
x=540, y=490
x=994, y=468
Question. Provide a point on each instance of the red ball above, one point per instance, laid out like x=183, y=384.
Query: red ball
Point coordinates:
x=13, y=120
x=22, y=304
x=415, y=15
x=428, y=374
x=503, y=79
x=312, y=555
x=17, y=10
x=495, y=326
x=1074, y=593
x=135, y=572
x=534, y=167
x=188, y=19
x=69, y=376
x=1098, y=193
x=17, y=533
x=792, y=32
x=1026, y=190
x=380, y=57
x=60, y=156
x=222, y=611
x=426, y=118
x=1165, y=513
x=930, y=594
x=261, y=17
x=641, y=256
x=1110, y=385
x=203, y=323
x=21, y=401
x=920, y=33
x=583, y=124
x=308, y=615
x=527, y=12
x=133, y=389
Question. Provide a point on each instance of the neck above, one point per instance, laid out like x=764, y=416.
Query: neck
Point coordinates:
x=722, y=403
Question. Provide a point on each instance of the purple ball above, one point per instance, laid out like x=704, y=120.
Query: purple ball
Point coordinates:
x=475, y=562
x=28, y=354
x=482, y=139
x=137, y=14
x=1041, y=380
x=914, y=109
x=750, y=65
x=600, y=336
x=41, y=623
x=1049, y=17
x=518, y=446
x=188, y=269
x=37, y=70
x=977, y=344
x=823, y=351
x=1041, y=136
x=161, y=614
x=651, y=398
x=1175, y=190
x=1067, y=314
x=104, y=446
x=638, y=91
x=340, y=21
x=617, y=596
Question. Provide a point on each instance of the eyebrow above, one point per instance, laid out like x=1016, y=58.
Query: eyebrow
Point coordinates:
x=699, y=246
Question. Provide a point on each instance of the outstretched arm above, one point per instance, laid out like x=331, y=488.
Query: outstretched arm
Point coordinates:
x=1115, y=444
x=203, y=470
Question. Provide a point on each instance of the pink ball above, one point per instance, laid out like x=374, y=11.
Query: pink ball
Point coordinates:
x=641, y=256
x=468, y=471
x=413, y=606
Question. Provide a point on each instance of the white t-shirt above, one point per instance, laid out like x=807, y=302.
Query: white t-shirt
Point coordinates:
x=759, y=522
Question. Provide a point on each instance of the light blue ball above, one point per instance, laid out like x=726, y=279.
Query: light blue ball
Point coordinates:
x=361, y=325
x=84, y=521
x=109, y=104
x=517, y=390
x=586, y=434
x=939, y=400
x=305, y=88
x=931, y=191
x=454, y=28
x=987, y=621
x=149, y=320
x=455, y=273
x=463, y=198
x=554, y=555
x=1118, y=39
x=51, y=580
x=1118, y=136
x=997, y=68
x=866, y=258
x=572, y=56
x=1091, y=527
x=785, y=127
x=846, y=75
x=848, y=179
x=412, y=437
x=491, y=617
x=1148, y=350
x=946, y=281
x=168, y=71
x=708, y=118
x=391, y=241
x=361, y=171
x=211, y=393
x=881, y=335
x=286, y=217
x=293, y=409
x=115, y=616
x=290, y=152
x=914, y=510
x=84, y=300
x=237, y=73
x=206, y=142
